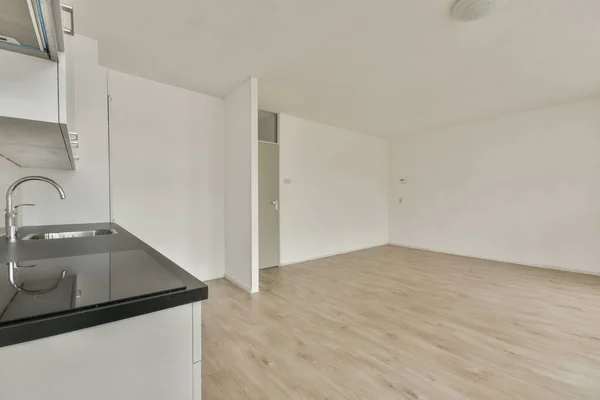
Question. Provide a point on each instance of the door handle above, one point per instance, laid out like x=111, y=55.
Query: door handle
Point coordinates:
x=275, y=204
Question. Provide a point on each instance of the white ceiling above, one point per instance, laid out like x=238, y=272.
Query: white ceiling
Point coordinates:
x=379, y=66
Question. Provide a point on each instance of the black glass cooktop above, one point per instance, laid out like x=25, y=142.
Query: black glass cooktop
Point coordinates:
x=46, y=287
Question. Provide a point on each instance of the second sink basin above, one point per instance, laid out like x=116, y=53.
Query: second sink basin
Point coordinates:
x=69, y=235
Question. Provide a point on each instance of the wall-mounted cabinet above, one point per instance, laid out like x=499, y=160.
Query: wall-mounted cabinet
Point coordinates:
x=33, y=27
x=35, y=103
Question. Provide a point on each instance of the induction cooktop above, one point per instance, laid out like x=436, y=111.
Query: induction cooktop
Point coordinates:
x=51, y=286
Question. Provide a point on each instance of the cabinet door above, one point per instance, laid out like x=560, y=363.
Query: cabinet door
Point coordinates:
x=197, y=331
x=66, y=90
x=28, y=87
x=198, y=381
x=90, y=185
x=141, y=358
x=33, y=118
x=197, y=359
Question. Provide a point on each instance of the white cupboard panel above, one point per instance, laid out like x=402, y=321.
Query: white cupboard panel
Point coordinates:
x=141, y=358
x=198, y=381
x=28, y=87
x=87, y=189
x=197, y=331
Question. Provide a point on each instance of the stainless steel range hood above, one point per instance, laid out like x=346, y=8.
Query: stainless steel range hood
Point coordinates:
x=31, y=27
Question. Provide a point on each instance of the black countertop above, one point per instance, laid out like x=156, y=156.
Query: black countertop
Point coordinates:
x=104, y=279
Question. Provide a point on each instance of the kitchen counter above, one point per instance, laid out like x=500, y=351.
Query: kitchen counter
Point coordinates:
x=105, y=279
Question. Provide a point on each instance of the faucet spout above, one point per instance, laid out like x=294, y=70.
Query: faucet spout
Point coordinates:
x=10, y=217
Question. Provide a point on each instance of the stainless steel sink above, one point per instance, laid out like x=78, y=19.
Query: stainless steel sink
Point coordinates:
x=69, y=235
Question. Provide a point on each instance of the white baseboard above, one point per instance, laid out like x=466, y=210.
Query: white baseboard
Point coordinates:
x=236, y=283
x=333, y=254
x=210, y=277
x=550, y=267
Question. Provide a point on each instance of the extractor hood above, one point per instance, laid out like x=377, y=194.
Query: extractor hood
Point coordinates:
x=32, y=27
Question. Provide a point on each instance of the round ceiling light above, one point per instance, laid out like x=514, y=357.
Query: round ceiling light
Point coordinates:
x=470, y=10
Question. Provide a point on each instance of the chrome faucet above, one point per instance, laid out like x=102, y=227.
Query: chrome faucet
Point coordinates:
x=10, y=218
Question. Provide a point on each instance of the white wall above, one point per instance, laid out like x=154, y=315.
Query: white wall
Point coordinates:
x=241, y=185
x=167, y=170
x=524, y=188
x=337, y=199
x=9, y=172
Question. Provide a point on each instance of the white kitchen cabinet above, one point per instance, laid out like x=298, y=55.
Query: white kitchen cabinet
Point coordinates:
x=197, y=359
x=198, y=381
x=142, y=358
x=197, y=320
x=197, y=331
x=87, y=189
x=35, y=102
x=28, y=87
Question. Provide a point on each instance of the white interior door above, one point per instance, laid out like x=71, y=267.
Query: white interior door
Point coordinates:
x=268, y=208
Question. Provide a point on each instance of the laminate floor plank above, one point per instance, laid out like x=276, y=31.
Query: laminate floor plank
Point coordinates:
x=396, y=323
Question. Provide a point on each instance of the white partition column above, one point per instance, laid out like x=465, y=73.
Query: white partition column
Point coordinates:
x=241, y=185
